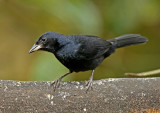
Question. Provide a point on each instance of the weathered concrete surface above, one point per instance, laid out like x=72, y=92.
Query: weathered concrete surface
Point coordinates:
x=121, y=95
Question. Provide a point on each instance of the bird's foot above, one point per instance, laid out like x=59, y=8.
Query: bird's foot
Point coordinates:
x=89, y=82
x=56, y=83
x=89, y=85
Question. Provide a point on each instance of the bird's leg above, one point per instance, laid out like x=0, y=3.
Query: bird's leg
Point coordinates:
x=56, y=83
x=89, y=82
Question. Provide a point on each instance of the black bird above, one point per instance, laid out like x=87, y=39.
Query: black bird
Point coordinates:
x=82, y=52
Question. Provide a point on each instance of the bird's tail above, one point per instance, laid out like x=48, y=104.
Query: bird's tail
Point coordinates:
x=127, y=40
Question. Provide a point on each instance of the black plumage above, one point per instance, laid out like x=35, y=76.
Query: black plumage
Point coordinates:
x=82, y=52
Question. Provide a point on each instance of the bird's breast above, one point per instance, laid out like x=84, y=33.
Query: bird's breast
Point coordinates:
x=76, y=64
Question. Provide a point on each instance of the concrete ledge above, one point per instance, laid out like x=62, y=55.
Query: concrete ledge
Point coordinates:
x=121, y=95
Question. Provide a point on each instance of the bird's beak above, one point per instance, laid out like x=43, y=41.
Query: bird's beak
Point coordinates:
x=35, y=48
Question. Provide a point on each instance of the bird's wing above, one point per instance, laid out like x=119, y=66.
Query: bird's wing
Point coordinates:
x=91, y=46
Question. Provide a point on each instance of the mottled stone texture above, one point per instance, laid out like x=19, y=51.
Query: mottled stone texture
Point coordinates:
x=121, y=95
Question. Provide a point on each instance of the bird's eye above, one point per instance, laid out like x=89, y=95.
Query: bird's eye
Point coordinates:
x=43, y=39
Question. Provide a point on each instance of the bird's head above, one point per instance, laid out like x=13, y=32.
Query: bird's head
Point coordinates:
x=46, y=42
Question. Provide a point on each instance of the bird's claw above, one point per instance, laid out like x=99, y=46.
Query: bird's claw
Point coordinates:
x=56, y=83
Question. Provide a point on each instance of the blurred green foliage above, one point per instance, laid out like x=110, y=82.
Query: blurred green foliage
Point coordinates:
x=23, y=21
